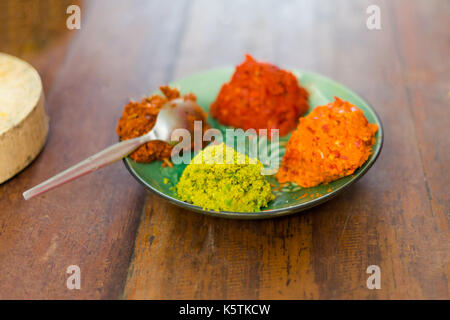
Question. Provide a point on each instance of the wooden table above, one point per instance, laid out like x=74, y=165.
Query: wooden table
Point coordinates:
x=131, y=244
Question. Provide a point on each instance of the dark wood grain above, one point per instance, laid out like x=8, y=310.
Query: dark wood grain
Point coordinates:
x=134, y=245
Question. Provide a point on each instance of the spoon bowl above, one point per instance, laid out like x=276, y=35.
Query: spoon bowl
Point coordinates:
x=176, y=114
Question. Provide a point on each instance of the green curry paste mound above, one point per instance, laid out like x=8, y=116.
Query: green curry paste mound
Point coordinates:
x=221, y=179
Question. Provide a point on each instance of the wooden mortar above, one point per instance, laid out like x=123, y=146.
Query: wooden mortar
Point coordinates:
x=23, y=122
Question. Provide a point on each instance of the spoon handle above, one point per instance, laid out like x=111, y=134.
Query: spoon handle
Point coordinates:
x=97, y=161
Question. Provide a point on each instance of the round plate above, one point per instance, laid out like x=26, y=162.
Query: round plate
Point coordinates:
x=290, y=198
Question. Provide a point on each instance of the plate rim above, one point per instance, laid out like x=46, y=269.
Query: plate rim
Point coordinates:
x=273, y=213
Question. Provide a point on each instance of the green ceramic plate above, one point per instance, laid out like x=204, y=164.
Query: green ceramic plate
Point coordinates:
x=290, y=198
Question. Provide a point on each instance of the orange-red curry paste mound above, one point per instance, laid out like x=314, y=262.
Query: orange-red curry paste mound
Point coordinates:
x=260, y=96
x=331, y=142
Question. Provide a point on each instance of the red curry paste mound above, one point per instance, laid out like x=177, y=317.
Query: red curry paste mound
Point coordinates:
x=260, y=96
x=331, y=142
